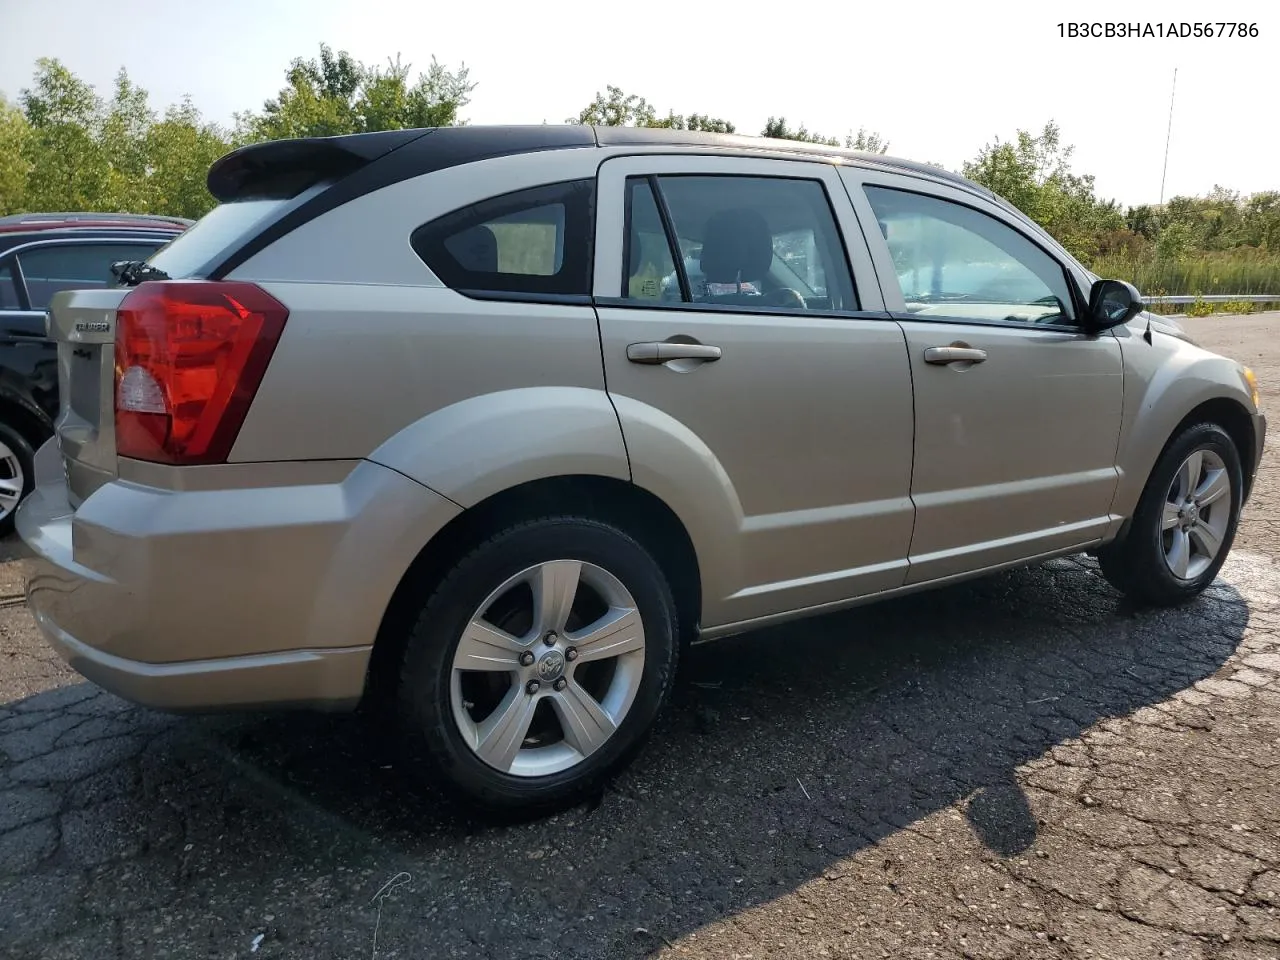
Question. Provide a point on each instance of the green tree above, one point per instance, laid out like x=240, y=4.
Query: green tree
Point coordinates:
x=1033, y=172
x=76, y=152
x=614, y=108
x=318, y=100
x=337, y=94
x=1143, y=220
x=69, y=169
x=388, y=102
x=1174, y=241
x=776, y=128
x=1261, y=226
x=122, y=138
x=695, y=121
x=180, y=149
x=15, y=166
x=867, y=141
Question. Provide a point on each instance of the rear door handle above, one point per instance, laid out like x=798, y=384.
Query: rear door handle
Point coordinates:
x=662, y=351
x=944, y=355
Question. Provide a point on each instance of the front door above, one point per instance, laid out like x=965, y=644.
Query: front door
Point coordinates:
x=1017, y=409
x=757, y=384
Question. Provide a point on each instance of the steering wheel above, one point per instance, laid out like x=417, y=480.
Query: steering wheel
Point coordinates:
x=785, y=297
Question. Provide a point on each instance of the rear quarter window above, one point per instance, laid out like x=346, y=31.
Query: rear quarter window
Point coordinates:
x=535, y=242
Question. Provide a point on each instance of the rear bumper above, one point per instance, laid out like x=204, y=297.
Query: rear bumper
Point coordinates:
x=248, y=596
x=326, y=679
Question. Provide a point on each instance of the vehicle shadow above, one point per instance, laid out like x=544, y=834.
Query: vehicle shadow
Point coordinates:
x=784, y=752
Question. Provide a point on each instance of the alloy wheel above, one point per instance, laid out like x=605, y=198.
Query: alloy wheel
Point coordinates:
x=12, y=480
x=547, y=668
x=1197, y=512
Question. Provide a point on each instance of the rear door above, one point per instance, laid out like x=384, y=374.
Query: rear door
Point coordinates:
x=1017, y=408
x=730, y=319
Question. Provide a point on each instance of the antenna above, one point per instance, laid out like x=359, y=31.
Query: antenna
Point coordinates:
x=1168, y=135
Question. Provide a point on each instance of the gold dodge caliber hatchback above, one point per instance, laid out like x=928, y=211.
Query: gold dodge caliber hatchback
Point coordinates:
x=486, y=422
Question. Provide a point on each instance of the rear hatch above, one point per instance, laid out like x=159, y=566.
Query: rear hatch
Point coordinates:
x=263, y=189
x=83, y=324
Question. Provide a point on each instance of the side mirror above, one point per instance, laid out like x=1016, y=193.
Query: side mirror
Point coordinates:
x=1111, y=303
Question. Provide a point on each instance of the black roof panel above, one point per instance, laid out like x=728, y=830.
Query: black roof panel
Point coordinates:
x=358, y=164
x=660, y=136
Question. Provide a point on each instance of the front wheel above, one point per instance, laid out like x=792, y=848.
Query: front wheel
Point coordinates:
x=1185, y=522
x=537, y=667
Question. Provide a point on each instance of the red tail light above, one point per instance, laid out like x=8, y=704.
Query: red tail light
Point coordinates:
x=189, y=358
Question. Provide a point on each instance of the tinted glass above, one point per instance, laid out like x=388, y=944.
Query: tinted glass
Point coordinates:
x=535, y=241
x=762, y=242
x=74, y=266
x=8, y=290
x=529, y=243
x=953, y=261
x=648, y=255
x=220, y=227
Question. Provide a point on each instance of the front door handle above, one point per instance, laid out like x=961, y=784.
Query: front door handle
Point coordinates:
x=663, y=351
x=954, y=354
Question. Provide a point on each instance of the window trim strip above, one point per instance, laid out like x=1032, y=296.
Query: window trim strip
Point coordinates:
x=673, y=243
x=737, y=309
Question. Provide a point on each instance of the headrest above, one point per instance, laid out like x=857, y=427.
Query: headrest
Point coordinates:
x=736, y=245
x=475, y=249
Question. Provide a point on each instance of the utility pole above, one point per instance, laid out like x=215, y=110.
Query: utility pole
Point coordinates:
x=1168, y=135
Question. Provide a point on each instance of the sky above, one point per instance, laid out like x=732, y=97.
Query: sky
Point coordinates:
x=937, y=79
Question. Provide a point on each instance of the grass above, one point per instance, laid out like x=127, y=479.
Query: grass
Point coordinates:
x=1243, y=271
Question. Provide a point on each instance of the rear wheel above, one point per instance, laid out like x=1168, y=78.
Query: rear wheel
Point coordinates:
x=17, y=472
x=538, y=665
x=1185, y=522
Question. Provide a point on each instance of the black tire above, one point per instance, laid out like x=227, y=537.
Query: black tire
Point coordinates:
x=26, y=458
x=424, y=690
x=1136, y=564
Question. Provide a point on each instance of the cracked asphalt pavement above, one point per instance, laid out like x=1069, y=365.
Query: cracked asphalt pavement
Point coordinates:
x=1021, y=766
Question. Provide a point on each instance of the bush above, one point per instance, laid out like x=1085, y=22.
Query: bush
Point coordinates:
x=1199, y=309
x=1238, y=306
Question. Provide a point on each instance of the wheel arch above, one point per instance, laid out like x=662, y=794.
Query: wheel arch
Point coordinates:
x=1228, y=413
x=25, y=417
x=632, y=509
x=1232, y=416
x=1168, y=384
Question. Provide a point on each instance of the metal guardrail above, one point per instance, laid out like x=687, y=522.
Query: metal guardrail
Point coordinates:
x=1218, y=298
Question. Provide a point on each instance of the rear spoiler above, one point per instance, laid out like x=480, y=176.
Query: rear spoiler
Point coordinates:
x=281, y=169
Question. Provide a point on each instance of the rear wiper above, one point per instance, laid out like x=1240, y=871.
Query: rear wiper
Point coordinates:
x=130, y=273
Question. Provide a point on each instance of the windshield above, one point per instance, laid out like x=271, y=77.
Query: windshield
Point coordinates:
x=190, y=251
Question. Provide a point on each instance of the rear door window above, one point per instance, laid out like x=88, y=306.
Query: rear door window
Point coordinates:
x=74, y=266
x=535, y=242
x=764, y=243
